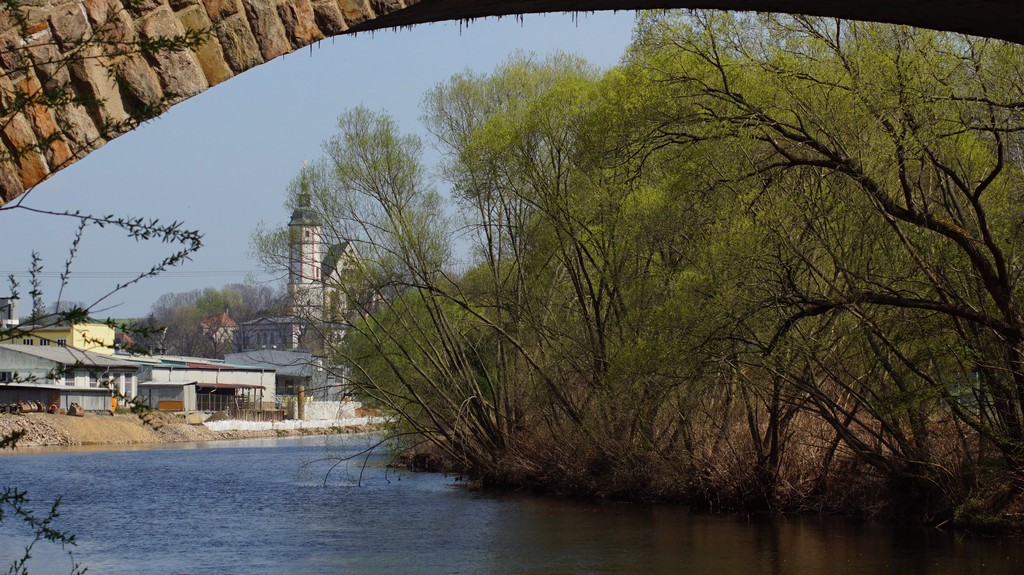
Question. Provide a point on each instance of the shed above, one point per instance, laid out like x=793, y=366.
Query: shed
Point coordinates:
x=169, y=395
x=177, y=383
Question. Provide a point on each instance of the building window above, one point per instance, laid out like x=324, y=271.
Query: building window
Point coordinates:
x=62, y=342
x=27, y=341
x=93, y=381
x=44, y=342
x=6, y=377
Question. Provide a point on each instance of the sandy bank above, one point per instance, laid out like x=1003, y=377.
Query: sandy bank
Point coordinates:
x=46, y=429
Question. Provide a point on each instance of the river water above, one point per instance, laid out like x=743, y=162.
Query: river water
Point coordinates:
x=270, y=506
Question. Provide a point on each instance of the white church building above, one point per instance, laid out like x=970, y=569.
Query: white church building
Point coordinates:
x=289, y=343
x=314, y=277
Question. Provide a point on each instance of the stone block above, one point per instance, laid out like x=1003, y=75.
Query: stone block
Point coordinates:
x=20, y=138
x=6, y=20
x=299, y=22
x=91, y=79
x=11, y=58
x=110, y=20
x=177, y=5
x=33, y=30
x=100, y=11
x=179, y=72
x=356, y=11
x=79, y=132
x=10, y=182
x=209, y=53
x=267, y=28
x=141, y=7
x=138, y=83
x=50, y=137
x=220, y=9
x=382, y=7
x=7, y=96
x=328, y=17
x=48, y=64
x=70, y=24
x=239, y=45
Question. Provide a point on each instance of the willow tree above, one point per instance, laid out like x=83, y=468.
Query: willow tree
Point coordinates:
x=585, y=267
x=886, y=161
x=409, y=344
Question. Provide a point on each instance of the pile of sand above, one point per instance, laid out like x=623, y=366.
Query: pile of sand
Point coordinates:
x=52, y=429
x=155, y=427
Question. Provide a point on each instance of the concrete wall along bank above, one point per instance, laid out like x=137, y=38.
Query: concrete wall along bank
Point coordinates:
x=320, y=410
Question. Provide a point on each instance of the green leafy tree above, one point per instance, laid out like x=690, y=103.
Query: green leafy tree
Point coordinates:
x=882, y=162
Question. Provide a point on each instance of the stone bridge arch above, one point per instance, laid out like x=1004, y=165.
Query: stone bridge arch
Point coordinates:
x=247, y=33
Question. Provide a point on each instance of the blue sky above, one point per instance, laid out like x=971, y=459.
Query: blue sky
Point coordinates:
x=220, y=162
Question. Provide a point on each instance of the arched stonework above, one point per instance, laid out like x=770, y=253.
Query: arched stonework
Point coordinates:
x=78, y=43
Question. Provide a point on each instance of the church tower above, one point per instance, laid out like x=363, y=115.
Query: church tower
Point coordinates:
x=305, y=286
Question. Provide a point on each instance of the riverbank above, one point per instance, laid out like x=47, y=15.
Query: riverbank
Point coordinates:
x=43, y=429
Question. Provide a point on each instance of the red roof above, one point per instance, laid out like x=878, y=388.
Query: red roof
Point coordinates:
x=218, y=321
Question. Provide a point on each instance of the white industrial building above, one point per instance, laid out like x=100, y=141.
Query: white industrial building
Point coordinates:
x=65, y=375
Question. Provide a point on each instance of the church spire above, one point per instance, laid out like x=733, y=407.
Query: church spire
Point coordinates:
x=303, y=214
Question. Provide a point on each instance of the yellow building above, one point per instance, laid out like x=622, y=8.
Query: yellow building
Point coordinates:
x=94, y=337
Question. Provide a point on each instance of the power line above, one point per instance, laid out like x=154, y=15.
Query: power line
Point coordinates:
x=132, y=274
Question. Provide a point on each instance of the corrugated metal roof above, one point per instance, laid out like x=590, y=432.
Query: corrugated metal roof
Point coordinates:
x=176, y=361
x=23, y=385
x=284, y=362
x=165, y=383
x=60, y=325
x=225, y=366
x=227, y=386
x=70, y=355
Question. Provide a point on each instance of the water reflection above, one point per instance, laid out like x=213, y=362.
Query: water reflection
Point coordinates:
x=569, y=537
x=177, y=446
x=254, y=507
